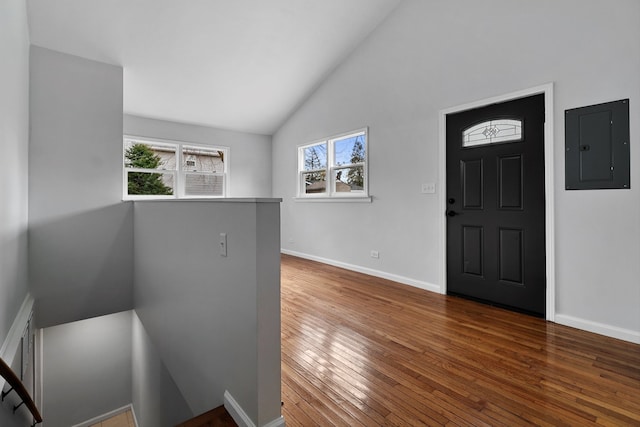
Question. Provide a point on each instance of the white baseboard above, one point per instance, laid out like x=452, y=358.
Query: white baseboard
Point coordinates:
x=278, y=422
x=235, y=410
x=598, y=328
x=241, y=418
x=108, y=415
x=371, y=272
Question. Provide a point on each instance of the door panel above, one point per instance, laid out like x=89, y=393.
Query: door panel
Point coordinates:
x=510, y=181
x=495, y=195
x=473, y=247
x=472, y=188
x=511, y=255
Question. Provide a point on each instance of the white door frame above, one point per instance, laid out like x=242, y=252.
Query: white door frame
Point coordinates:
x=547, y=90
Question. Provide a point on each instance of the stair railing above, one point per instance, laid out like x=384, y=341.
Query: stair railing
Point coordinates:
x=16, y=385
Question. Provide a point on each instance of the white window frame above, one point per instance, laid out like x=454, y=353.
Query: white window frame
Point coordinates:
x=179, y=175
x=330, y=194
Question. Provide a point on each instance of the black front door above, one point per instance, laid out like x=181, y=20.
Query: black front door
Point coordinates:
x=495, y=204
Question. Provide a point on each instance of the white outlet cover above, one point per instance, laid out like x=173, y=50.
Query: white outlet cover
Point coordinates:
x=429, y=188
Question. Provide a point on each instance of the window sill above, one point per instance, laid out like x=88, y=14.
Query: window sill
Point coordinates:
x=211, y=200
x=365, y=199
x=149, y=197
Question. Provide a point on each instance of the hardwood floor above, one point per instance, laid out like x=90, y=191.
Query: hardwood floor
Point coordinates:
x=217, y=417
x=363, y=351
x=125, y=419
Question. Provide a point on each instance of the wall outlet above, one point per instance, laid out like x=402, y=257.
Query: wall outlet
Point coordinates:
x=290, y=240
x=429, y=188
x=375, y=254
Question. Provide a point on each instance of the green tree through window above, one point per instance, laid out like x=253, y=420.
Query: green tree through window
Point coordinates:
x=355, y=176
x=313, y=161
x=141, y=156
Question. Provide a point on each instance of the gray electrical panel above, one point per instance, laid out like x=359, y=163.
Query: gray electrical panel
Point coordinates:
x=597, y=146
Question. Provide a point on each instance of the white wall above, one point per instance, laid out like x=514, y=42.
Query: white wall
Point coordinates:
x=214, y=320
x=156, y=400
x=80, y=232
x=86, y=369
x=250, y=154
x=14, y=140
x=14, y=143
x=429, y=56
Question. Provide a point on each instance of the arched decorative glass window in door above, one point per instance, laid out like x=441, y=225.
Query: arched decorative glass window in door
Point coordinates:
x=492, y=132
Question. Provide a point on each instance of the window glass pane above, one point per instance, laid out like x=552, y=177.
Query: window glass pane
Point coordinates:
x=350, y=150
x=202, y=159
x=334, y=167
x=492, y=132
x=315, y=182
x=164, y=168
x=203, y=185
x=315, y=157
x=349, y=180
x=149, y=155
x=149, y=183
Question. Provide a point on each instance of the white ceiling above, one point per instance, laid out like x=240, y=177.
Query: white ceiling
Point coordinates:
x=233, y=64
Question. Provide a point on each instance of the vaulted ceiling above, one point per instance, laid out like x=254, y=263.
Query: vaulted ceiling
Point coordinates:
x=233, y=64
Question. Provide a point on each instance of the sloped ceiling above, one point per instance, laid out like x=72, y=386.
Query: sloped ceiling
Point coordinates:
x=232, y=64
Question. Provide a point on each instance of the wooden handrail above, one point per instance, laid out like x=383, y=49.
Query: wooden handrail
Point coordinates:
x=18, y=387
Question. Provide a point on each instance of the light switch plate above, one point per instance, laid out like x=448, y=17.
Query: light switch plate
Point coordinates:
x=223, y=244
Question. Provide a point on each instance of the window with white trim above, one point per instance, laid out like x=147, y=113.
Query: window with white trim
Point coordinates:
x=157, y=169
x=334, y=167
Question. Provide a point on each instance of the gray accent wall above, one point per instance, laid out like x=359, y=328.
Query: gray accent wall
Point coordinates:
x=157, y=402
x=249, y=159
x=86, y=369
x=81, y=236
x=215, y=320
x=429, y=56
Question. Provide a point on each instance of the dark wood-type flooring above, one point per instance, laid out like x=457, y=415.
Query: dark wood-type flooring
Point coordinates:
x=218, y=417
x=363, y=351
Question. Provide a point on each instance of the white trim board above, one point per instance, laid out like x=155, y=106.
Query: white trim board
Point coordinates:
x=599, y=328
x=241, y=418
x=364, y=270
x=547, y=90
x=39, y=385
x=108, y=415
x=11, y=343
